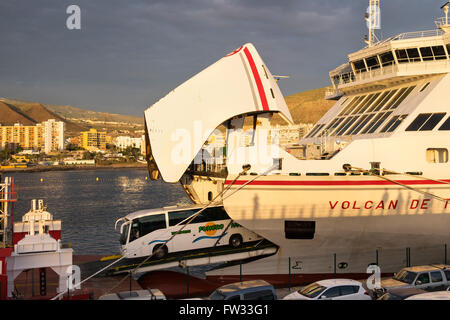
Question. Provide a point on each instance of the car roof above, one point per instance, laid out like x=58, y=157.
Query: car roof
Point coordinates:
x=246, y=285
x=438, y=295
x=338, y=282
x=406, y=291
x=427, y=268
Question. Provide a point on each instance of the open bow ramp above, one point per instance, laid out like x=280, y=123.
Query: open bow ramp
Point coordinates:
x=178, y=125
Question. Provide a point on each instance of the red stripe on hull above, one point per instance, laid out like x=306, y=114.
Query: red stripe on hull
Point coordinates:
x=258, y=81
x=335, y=183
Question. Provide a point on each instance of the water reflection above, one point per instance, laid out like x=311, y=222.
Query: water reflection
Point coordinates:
x=89, y=202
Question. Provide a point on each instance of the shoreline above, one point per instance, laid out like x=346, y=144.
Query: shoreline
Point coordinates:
x=74, y=167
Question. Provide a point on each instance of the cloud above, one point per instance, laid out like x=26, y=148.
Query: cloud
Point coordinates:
x=129, y=54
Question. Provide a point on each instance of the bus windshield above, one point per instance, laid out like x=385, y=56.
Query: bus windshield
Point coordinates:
x=144, y=225
x=124, y=234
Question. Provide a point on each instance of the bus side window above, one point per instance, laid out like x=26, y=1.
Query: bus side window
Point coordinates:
x=213, y=213
x=148, y=224
x=176, y=217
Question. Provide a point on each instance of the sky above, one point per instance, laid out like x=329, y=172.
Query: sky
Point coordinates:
x=129, y=54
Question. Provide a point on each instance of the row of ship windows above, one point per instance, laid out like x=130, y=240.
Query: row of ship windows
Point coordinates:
x=365, y=114
x=403, y=56
x=423, y=122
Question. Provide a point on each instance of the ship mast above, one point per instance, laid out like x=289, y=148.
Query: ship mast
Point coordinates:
x=443, y=23
x=373, y=21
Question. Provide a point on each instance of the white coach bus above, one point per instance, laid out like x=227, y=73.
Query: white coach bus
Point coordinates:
x=143, y=232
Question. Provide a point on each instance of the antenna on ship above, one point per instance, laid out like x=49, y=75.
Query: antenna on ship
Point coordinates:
x=373, y=21
x=443, y=23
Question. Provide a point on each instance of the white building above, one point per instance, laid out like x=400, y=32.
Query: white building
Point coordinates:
x=53, y=135
x=123, y=142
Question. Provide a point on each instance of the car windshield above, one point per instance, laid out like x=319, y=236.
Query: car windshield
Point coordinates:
x=217, y=295
x=405, y=276
x=312, y=290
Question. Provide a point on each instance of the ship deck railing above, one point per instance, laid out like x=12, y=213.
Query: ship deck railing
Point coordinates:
x=401, y=69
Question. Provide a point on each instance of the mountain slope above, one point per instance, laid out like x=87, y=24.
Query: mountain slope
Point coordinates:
x=10, y=115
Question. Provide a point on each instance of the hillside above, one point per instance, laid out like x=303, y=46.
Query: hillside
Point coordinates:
x=9, y=115
x=307, y=107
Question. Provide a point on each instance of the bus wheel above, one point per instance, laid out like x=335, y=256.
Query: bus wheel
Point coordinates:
x=236, y=240
x=161, y=253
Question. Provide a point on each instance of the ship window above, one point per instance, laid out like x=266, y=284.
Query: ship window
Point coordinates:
x=387, y=58
x=359, y=66
x=401, y=97
x=394, y=123
x=373, y=63
x=366, y=104
x=437, y=155
x=418, y=122
x=439, y=52
x=413, y=54
x=353, y=106
x=394, y=100
x=446, y=126
x=402, y=57
x=347, y=120
x=352, y=120
x=350, y=105
x=432, y=122
x=299, y=229
x=360, y=124
x=371, y=124
x=425, y=86
x=333, y=125
x=313, y=131
x=427, y=53
x=382, y=119
x=382, y=102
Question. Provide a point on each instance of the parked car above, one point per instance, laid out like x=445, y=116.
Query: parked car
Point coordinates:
x=333, y=289
x=437, y=295
x=148, y=294
x=247, y=290
x=428, y=277
x=401, y=293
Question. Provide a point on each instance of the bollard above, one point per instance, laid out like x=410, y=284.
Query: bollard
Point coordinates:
x=376, y=257
x=240, y=270
x=289, y=281
x=335, y=265
x=445, y=254
x=187, y=281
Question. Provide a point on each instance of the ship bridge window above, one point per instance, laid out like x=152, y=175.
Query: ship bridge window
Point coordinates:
x=373, y=63
x=433, y=53
x=407, y=55
x=394, y=123
x=437, y=155
x=425, y=122
x=359, y=66
x=387, y=58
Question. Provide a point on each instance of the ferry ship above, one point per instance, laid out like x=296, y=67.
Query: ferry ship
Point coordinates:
x=369, y=184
